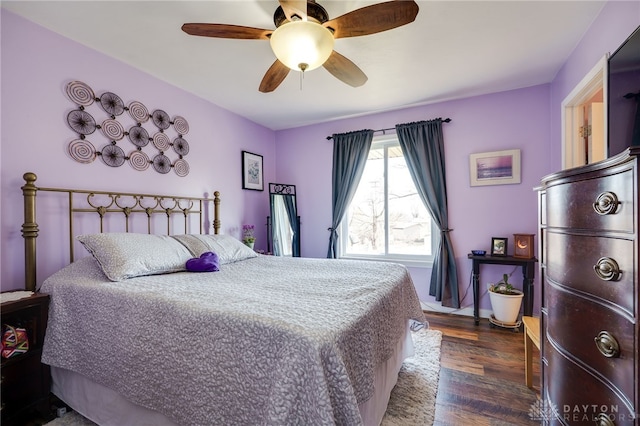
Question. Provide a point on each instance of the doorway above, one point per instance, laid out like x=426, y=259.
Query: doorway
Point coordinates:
x=584, y=119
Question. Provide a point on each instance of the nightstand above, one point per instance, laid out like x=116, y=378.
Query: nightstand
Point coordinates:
x=26, y=381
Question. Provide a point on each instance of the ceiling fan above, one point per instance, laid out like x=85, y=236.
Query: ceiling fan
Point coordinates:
x=304, y=36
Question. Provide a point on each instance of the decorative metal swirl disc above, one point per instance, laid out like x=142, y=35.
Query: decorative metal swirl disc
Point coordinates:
x=161, y=141
x=80, y=93
x=82, y=151
x=181, y=167
x=181, y=125
x=112, y=103
x=180, y=146
x=81, y=122
x=112, y=129
x=161, y=119
x=161, y=163
x=138, y=136
x=113, y=155
x=138, y=112
x=139, y=160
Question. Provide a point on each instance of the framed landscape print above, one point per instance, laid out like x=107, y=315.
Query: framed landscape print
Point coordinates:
x=495, y=168
x=252, y=172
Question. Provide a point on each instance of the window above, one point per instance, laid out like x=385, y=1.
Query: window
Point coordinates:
x=386, y=218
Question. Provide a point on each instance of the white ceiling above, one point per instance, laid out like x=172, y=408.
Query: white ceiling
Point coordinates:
x=454, y=49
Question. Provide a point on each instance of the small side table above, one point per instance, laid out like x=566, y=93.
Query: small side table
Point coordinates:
x=25, y=380
x=528, y=271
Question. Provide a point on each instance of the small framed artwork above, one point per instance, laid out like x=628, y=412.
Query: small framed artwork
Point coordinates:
x=498, y=246
x=252, y=173
x=495, y=168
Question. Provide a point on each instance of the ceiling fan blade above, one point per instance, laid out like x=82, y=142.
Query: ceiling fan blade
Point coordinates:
x=294, y=7
x=373, y=19
x=273, y=77
x=345, y=70
x=227, y=31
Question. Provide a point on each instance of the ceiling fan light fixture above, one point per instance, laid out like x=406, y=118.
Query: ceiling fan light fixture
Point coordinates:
x=302, y=45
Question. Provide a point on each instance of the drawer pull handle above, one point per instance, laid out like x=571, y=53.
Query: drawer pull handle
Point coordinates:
x=607, y=269
x=603, y=420
x=606, y=203
x=607, y=344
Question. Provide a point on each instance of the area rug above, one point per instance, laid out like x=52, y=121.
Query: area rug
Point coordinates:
x=413, y=399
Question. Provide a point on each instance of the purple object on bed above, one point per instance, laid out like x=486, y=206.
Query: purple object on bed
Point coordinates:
x=207, y=262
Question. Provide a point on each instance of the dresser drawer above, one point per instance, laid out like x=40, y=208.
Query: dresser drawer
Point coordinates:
x=573, y=203
x=571, y=260
x=574, y=323
x=579, y=397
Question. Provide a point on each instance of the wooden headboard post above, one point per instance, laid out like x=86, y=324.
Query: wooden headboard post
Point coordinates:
x=30, y=230
x=30, y=226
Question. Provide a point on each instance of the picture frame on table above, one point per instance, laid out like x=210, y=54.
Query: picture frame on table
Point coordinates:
x=495, y=168
x=252, y=171
x=499, y=246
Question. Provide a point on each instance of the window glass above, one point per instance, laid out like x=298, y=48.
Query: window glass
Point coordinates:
x=386, y=218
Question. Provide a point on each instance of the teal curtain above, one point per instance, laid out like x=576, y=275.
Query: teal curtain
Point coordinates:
x=350, y=152
x=422, y=144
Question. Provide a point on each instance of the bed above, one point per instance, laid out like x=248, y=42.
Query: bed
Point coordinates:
x=135, y=338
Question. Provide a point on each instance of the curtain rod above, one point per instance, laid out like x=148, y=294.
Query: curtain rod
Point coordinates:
x=446, y=120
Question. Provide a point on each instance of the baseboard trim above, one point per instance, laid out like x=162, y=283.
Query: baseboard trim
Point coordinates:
x=465, y=311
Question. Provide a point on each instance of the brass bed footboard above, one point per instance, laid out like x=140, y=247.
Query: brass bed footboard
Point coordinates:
x=110, y=203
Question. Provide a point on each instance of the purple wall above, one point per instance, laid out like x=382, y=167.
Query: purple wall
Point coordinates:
x=528, y=119
x=611, y=28
x=36, y=65
x=515, y=119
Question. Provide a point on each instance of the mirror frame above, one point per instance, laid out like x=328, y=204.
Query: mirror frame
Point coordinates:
x=284, y=189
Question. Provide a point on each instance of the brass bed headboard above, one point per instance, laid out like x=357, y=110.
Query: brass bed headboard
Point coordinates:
x=124, y=203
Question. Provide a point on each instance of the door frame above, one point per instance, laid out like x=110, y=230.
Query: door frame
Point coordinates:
x=572, y=115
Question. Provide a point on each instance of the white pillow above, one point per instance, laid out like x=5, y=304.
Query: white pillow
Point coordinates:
x=128, y=255
x=227, y=248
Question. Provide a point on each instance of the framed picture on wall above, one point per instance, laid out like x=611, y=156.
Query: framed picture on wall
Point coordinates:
x=495, y=168
x=252, y=172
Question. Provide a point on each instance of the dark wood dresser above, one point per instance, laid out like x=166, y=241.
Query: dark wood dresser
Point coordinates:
x=589, y=260
x=25, y=380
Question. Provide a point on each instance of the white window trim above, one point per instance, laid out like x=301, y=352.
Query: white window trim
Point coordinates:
x=401, y=260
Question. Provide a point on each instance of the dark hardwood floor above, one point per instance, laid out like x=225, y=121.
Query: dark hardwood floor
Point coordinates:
x=482, y=374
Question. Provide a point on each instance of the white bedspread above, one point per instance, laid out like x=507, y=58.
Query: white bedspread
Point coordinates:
x=269, y=340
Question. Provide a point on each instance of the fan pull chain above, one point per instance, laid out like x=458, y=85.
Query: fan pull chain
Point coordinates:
x=303, y=68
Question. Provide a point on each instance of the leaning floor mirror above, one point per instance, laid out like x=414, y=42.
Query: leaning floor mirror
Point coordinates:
x=283, y=225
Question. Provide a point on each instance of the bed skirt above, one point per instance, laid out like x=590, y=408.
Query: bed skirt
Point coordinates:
x=106, y=407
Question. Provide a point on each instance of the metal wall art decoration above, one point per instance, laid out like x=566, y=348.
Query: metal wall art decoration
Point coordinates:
x=118, y=133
